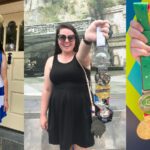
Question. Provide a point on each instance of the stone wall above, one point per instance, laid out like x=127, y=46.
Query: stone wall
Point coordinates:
x=117, y=17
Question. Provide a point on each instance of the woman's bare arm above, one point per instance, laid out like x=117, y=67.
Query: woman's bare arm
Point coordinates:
x=46, y=92
x=4, y=78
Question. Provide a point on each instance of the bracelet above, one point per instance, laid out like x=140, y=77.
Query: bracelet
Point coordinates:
x=86, y=42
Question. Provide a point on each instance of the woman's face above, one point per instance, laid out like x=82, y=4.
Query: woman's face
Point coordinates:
x=66, y=40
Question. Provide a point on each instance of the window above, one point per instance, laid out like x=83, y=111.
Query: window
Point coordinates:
x=21, y=37
x=11, y=33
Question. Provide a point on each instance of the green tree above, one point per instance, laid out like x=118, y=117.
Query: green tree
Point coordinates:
x=96, y=7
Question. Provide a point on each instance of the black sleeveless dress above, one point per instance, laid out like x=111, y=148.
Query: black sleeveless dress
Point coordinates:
x=69, y=118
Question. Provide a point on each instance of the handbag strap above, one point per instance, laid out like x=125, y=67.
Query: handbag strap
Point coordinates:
x=88, y=86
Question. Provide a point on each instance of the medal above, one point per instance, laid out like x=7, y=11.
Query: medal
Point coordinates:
x=144, y=103
x=143, y=129
x=102, y=78
x=142, y=11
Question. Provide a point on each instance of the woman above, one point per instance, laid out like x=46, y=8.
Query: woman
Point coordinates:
x=3, y=84
x=65, y=92
x=138, y=44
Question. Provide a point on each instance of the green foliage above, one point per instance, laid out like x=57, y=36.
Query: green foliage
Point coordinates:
x=49, y=13
x=96, y=7
x=122, y=2
x=58, y=10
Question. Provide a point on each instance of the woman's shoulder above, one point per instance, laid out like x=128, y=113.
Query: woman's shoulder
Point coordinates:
x=49, y=61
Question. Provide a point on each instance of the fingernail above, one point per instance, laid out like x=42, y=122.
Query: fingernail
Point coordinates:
x=141, y=29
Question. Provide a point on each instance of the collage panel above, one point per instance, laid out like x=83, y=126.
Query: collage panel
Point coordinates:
x=42, y=18
x=11, y=75
x=137, y=72
x=39, y=113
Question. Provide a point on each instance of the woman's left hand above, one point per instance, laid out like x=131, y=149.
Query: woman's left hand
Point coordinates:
x=90, y=33
x=6, y=105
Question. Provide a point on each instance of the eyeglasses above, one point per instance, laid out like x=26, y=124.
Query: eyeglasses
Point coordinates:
x=63, y=37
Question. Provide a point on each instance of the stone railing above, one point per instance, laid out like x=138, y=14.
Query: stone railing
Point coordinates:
x=51, y=27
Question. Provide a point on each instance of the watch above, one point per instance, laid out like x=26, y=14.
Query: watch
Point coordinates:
x=86, y=42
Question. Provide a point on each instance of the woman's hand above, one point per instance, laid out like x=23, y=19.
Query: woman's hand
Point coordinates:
x=6, y=105
x=138, y=45
x=90, y=33
x=44, y=122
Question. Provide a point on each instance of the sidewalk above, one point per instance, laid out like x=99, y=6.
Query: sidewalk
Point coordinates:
x=113, y=139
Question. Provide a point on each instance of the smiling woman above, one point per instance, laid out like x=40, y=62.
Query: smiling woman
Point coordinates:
x=65, y=88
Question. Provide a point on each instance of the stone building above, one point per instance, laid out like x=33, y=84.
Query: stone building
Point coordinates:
x=117, y=44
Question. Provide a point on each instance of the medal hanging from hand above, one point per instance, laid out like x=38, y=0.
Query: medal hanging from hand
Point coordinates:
x=142, y=11
x=102, y=79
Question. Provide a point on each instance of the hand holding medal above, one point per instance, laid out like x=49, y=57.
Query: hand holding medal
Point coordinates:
x=142, y=11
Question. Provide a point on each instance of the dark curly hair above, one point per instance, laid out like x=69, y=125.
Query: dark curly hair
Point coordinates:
x=70, y=27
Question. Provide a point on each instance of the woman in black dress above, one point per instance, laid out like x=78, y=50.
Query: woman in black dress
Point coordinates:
x=65, y=95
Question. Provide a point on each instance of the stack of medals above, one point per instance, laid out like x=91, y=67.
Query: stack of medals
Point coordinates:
x=102, y=79
x=142, y=11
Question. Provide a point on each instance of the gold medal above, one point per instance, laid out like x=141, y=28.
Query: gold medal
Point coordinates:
x=143, y=129
x=102, y=78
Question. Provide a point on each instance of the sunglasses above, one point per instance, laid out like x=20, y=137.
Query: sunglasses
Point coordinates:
x=63, y=37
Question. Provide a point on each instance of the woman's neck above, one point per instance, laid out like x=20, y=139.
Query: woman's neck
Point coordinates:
x=66, y=57
x=63, y=54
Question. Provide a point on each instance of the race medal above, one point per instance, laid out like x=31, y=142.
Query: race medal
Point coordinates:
x=144, y=103
x=143, y=129
x=103, y=92
x=101, y=61
x=142, y=11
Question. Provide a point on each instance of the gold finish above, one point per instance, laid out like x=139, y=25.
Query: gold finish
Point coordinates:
x=143, y=129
